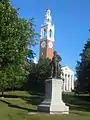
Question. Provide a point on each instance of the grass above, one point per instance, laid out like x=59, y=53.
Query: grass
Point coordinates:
x=19, y=103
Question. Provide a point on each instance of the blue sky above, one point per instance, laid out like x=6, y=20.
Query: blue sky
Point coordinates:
x=71, y=19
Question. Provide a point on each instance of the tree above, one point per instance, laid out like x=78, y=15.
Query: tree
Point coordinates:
x=15, y=36
x=38, y=74
x=83, y=69
x=44, y=68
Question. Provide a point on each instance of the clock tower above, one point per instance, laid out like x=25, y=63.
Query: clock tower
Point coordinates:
x=47, y=36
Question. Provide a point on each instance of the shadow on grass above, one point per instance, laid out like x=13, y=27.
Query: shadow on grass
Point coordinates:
x=76, y=102
x=35, y=93
x=19, y=107
x=10, y=96
x=33, y=99
x=82, y=113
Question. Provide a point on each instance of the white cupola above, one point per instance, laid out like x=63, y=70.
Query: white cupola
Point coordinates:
x=48, y=17
x=47, y=29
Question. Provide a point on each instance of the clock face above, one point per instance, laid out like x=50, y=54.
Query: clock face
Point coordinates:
x=50, y=45
x=43, y=44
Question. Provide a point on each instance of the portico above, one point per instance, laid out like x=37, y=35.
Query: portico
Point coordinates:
x=68, y=79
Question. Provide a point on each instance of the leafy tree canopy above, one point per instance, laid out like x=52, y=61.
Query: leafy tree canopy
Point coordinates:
x=83, y=68
x=38, y=73
x=15, y=35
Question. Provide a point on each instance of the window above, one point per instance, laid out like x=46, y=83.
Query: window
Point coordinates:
x=50, y=33
x=48, y=20
x=45, y=33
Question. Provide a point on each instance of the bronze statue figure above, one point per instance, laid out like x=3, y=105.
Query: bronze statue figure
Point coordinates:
x=56, y=68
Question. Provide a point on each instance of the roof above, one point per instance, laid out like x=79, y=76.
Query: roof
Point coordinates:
x=67, y=69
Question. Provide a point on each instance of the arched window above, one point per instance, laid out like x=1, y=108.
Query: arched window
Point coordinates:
x=42, y=33
x=50, y=33
x=48, y=20
x=45, y=33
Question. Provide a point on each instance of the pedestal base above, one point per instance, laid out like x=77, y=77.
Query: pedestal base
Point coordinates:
x=44, y=106
x=54, y=109
x=53, y=98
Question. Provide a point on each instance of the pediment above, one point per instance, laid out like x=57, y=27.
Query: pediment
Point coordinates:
x=67, y=69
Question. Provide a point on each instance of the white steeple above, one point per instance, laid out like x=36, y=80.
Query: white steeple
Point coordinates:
x=47, y=17
x=47, y=29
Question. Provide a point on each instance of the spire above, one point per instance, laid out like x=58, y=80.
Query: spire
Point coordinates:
x=48, y=17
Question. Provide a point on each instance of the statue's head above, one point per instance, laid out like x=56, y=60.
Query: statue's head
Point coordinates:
x=55, y=53
x=58, y=57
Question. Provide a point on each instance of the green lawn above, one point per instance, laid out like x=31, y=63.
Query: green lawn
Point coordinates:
x=19, y=103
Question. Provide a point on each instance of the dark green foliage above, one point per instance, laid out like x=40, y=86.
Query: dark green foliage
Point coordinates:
x=38, y=74
x=15, y=35
x=83, y=69
x=44, y=69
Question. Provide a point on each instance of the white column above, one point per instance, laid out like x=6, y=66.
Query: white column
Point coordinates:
x=67, y=82
x=73, y=81
x=70, y=83
x=64, y=82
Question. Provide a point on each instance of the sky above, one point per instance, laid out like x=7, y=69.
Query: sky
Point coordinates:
x=71, y=19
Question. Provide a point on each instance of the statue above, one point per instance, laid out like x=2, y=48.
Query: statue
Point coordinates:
x=56, y=68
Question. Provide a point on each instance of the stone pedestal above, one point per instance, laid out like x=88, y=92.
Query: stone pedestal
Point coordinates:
x=53, y=98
